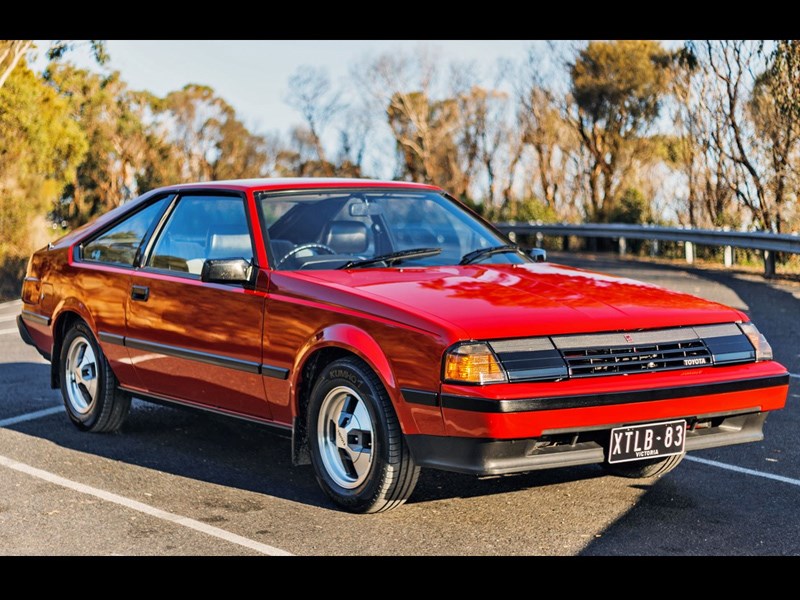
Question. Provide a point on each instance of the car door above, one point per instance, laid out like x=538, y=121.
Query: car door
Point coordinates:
x=102, y=278
x=194, y=341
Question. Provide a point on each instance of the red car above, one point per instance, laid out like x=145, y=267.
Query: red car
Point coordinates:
x=386, y=327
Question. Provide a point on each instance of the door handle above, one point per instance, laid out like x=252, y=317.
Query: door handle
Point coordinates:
x=140, y=292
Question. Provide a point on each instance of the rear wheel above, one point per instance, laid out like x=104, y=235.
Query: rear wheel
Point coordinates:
x=358, y=451
x=643, y=469
x=89, y=387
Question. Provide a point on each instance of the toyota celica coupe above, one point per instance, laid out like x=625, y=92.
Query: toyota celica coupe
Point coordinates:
x=386, y=327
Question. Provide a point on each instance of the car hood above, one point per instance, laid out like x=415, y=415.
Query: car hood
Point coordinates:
x=496, y=301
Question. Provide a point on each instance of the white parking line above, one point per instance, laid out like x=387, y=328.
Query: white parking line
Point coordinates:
x=14, y=330
x=7, y=318
x=735, y=469
x=794, y=375
x=31, y=416
x=142, y=508
x=127, y=502
x=16, y=302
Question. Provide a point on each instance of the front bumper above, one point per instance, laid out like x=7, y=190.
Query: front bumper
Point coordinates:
x=478, y=456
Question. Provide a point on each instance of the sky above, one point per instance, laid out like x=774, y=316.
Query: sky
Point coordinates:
x=252, y=75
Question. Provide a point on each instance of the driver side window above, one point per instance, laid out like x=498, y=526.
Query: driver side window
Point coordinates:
x=202, y=228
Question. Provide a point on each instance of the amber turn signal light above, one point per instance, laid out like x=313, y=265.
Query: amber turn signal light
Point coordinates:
x=472, y=363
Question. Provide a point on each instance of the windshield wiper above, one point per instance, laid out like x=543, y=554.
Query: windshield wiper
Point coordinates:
x=471, y=257
x=392, y=257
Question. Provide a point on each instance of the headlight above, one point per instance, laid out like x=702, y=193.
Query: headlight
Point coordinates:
x=472, y=363
x=760, y=343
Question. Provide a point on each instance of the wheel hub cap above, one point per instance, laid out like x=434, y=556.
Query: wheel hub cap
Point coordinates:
x=345, y=432
x=81, y=370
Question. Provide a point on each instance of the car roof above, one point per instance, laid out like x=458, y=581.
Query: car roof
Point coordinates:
x=292, y=183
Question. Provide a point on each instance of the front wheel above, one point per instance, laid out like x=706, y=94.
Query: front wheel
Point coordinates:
x=644, y=469
x=358, y=451
x=89, y=387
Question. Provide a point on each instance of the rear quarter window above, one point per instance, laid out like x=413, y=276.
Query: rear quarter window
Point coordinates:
x=119, y=244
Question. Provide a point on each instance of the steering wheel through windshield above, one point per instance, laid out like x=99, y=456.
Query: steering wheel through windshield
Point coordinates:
x=300, y=248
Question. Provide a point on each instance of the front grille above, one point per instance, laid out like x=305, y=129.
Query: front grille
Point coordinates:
x=552, y=358
x=596, y=361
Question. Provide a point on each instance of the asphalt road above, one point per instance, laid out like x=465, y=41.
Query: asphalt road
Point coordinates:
x=179, y=482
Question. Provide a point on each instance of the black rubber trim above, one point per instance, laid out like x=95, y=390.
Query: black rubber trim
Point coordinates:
x=35, y=318
x=26, y=337
x=489, y=405
x=275, y=372
x=423, y=397
x=23, y=332
x=204, y=357
x=111, y=338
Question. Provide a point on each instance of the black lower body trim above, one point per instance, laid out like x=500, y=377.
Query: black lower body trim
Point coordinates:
x=23, y=331
x=490, y=405
x=477, y=456
x=275, y=372
x=420, y=397
x=111, y=338
x=26, y=337
x=204, y=357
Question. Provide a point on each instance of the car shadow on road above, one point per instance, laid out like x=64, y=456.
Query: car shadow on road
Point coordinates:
x=694, y=511
x=232, y=453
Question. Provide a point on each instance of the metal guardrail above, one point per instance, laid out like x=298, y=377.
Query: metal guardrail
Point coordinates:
x=769, y=243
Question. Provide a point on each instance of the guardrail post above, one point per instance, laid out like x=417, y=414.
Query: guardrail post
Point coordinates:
x=769, y=264
x=728, y=253
x=539, y=239
x=623, y=246
x=565, y=243
x=654, y=248
x=689, y=250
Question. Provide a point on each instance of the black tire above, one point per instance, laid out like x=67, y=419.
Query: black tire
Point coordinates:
x=103, y=411
x=391, y=473
x=644, y=469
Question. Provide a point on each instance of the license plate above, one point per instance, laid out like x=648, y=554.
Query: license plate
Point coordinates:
x=640, y=442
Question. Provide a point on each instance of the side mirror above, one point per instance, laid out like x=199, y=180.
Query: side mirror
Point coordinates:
x=226, y=270
x=538, y=254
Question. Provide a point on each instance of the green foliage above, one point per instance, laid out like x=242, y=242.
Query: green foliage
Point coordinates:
x=531, y=209
x=74, y=143
x=40, y=150
x=785, y=77
x=61, y=47
x=203, y=139
x=621, y=83
x=633, y=208
x=618, y=88
x=104, y=109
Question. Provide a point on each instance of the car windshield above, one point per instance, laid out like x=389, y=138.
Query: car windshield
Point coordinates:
x=384, y=228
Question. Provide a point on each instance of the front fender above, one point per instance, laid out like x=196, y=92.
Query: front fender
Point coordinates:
x=353, y=339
